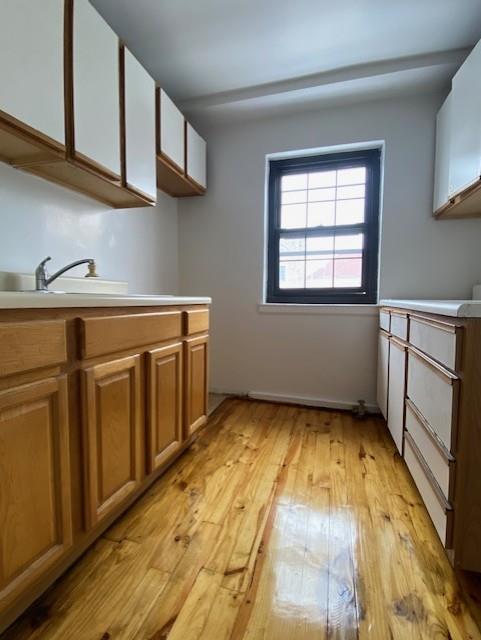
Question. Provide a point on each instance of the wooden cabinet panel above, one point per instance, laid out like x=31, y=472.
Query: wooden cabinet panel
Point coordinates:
x=196, y=383
x=35, y=510
x=96, y=91
x=170, y=131
x=25, y=346
x=396, y=393
x=113, y=435
x=164, y=403
x=383, y=372
x=196, y=321
x=196, y=168
x=31, y=65
x=139, y=106
x=108, y=334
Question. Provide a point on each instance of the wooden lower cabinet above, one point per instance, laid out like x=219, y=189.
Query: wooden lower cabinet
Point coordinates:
x=112, y=433
x=196, y=383
x=164, y=403
x=35, y=507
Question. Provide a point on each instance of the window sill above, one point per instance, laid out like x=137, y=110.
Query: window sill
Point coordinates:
x=319, y=309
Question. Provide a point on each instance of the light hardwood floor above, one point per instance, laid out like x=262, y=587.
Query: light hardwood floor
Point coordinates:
x=280, y=522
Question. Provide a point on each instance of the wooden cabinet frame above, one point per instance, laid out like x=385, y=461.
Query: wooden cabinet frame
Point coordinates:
x=195, y=389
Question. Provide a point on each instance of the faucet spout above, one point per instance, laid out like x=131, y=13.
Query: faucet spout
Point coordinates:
x=43, y=280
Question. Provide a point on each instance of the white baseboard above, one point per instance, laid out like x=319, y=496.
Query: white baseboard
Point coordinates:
x=303, y=400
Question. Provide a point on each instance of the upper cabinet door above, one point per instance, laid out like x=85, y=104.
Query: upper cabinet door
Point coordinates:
x=31, y=64
x=96, y=91
x=443, y=150
x=139, y=95
x=171, y=131
x=196, y=157
x=465, y=165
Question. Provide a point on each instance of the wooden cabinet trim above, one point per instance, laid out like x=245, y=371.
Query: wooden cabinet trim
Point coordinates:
x=398, y=342
x=441, y=371
x=196, y=321
x=437, y=324
x=104, y=335
x=430, y=431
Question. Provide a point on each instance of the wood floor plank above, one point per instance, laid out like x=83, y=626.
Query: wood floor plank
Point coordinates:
x=279, y=522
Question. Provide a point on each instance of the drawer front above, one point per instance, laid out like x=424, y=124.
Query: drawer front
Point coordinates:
x=440, y=513
x=439, y=341
x=437, y=460
x=26, y=346
x=399, y=326
x=196, y=321
x=435, y=395
x=109, y=334
x=385, y=320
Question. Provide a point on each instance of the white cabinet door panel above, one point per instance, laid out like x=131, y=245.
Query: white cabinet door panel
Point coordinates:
x=172, y=131
x=382, y=372
x=196, y=157
x=465, y=162
x=140, y=160
x=396, y=393
x=443, y=150
x=96, y=88
x=31, y=64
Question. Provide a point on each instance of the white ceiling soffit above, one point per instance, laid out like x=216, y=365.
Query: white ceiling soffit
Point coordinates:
x=416, y=74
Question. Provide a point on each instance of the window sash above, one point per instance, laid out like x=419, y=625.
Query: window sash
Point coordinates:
x=367, y=292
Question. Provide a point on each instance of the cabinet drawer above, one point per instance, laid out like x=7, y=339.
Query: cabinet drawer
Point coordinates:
x=26, y=346
x=438, y=508
x=399, y=325
x=385, y=320
x=440, y=462
x=434, y=391
x=116, y=333
x=196, y=321
x=441, y=341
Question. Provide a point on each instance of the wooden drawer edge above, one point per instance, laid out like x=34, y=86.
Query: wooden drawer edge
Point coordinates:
x=447, y=455
x=434, y=365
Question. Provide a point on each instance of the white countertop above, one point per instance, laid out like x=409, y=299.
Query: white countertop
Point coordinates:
x=452, y=308
x=52, y=300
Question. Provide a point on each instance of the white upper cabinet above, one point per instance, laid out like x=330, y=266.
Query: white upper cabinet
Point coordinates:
x=443, y=145
x=171, y=131
x=96, y=90
x=31, y=64
x=140, y=162
x=196, y=157
x=465, y=146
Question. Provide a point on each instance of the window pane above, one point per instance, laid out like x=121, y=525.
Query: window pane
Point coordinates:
x=351, y=192
x=291, y=275
x=292, y=197
x=349, y=246
x=320, y=247
x=292, y=248
x=350, y=211
x=293, y=216
x=321, y=214
x=322, y=179
x=295, y=181
x=348, y=273
x=351, y=176
x=319, y=274
x=317, y=195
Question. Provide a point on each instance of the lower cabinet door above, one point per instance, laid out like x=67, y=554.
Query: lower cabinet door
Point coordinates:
x=196, y=383
x=35, y=508
x=397, y=392
x=112, y=435
x=164, y=403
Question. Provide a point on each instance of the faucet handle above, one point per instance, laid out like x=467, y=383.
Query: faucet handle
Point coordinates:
x=41, y=266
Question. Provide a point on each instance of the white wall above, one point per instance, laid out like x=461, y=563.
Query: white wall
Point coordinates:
x=39, y=219
x=221, y=240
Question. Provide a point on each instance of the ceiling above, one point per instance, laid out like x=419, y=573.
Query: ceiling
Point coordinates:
x=211, y=53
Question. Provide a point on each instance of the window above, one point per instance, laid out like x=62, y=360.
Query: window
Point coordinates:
x=324, y=228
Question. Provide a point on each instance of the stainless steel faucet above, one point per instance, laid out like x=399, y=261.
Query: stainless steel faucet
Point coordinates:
x=43, y=280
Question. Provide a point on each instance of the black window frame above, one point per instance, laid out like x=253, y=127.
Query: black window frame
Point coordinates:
x=367, y=293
